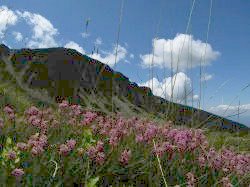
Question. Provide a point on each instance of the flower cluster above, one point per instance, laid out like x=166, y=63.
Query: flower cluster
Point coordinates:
x=11, y=155
x=125, y=157
x=226, y=161
x=17, y=172
x=22, y=146
x=9, y=111
x=226, y=182
x=64, y=149
x=38, y=118
x=96, y=153
x=37, y=143
x=88, y=118
x=190, y=179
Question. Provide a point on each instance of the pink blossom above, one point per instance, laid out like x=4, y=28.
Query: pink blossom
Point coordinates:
x=22, y=146
x=37, y=150
x=190, y=179
x=202, y=161
x=64, y=150
x=64, y=105
x=17, y=172
x=125, y=157
x=71, y=144
x=226, y=182
x=91, y=152
x=11, y=155
x=8, y=110
x=32, y=111
x=99, y=146
x=139, y=138
x=159, y=150
x=100, y=158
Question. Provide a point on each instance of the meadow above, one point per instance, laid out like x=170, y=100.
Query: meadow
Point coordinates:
x=71, y=145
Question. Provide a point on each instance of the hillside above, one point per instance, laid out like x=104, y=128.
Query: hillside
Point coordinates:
x=44, y=143
x=62, y=73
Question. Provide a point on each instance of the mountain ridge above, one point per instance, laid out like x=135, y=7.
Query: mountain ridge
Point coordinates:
x=68, y=73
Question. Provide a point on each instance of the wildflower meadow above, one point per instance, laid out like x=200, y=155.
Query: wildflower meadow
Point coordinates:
x=70, y=146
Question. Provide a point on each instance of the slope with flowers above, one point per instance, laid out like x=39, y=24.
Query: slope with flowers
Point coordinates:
x=65, y=73
x=69, y=145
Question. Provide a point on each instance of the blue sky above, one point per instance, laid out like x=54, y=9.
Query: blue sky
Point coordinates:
x=226, y=67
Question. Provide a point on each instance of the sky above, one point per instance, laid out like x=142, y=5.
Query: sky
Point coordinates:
x=150, y=31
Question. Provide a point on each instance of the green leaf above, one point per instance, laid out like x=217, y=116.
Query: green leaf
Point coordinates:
x=92, y=182
x=8, y=141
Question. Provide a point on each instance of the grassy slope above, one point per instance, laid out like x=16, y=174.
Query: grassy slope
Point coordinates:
x=13, y=95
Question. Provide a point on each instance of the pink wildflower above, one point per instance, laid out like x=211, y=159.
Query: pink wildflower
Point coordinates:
x=64, y=150
x=63, y=105
x=8, y=110
x=91, y=152
x=71, y=144
x=32, y=111
x=11, y=155
x=37, y=150
x=139, y=138
x=125, y=157
x=100, y=158
x=99, y=146
x=22, y=146
x=17, y=172
x=190, y=179
x=226, y=182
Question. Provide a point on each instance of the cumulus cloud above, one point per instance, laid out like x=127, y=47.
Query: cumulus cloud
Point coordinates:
x=232, y=112
x=73, y=45
x=7, y=18
x=132, y=56
x=98, y=41
x=233, y=109
x=183, y=48
x=206, y=77
x=18, y=36
x=43, y=31
x=182, y=87
x=109, y=57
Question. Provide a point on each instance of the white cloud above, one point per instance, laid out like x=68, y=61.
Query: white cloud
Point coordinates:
x=109, y=57
x=73, y=45
x=43, y=30
x=85, y=35
x=132, y=56
x=196, y=97
x=231, y=111
x=7, y=18
x=98, y=41
x=18, y=36
x=181, y=83
x=206, y=77
x=183, y=48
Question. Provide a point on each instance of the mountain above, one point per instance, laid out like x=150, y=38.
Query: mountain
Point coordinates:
x=58, y=73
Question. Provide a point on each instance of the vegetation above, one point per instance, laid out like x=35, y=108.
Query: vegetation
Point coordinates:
x=68, y=145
